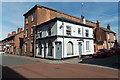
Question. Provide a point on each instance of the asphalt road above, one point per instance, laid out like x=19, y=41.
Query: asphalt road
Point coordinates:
x=110, y=61
x=13, y=60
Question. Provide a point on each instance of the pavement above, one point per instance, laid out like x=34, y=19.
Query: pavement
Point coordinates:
x=29, y=67
x=110, y=62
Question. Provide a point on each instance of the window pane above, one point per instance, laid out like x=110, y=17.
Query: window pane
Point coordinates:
x=68, y=30
x=69, y=48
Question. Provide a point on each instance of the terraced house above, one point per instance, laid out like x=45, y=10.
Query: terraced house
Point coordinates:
x=13, y=44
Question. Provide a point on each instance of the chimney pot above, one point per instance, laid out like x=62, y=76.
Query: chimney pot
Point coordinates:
x=83, y=19
x=97, y=24
x=19, y=30
x=9, y=35
x=108, y=26
x=14, y=32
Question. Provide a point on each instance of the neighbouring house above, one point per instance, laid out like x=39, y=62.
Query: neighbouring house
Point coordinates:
x=62, y=38
x=14, y=42
x=38, y=15
x=105, y=38
x=1, y=46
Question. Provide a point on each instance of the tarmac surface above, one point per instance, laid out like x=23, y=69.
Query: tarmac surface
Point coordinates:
x=112, y=61
x=28, y=67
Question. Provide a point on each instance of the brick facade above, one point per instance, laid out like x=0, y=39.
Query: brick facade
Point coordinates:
x=13, y=43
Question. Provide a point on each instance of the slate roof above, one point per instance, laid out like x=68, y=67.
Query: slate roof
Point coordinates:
x=65, y=20
x=107, y=30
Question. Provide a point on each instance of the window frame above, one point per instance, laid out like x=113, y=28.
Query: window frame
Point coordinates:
x=86, y=33
x=26, y=20
x=79, y=31
x=68, y=30
x=87, y=46
x=33, y=16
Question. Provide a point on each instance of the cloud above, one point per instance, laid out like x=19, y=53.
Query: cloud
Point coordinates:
x=110, y=20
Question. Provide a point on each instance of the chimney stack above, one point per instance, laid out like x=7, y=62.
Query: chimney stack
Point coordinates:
x=97, y=24
x=9, y=35
x=108, y=26
x=83, y=19
x=14, y=32
x=19, y=30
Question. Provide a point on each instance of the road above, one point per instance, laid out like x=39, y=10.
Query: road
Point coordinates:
x=18, y=67
x=111, y=61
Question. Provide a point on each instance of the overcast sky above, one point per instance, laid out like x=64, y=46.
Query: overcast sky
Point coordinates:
x=105, y=12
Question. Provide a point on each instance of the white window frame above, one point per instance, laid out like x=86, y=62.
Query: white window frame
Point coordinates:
x=87, y=46
x=26, y=20
x=33, y=16
x=86, y=33
x=26, y=33
x=79, y=31
x=68, y=30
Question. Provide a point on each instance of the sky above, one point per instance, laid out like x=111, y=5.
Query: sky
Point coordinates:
x=105, y=12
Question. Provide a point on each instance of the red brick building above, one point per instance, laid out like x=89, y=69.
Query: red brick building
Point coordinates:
x=13, y=43
x=105, y=38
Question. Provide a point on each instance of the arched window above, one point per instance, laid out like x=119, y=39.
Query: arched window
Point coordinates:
x=50, y=52
x=69, y=48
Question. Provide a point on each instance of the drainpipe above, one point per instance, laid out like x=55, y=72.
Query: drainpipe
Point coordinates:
x=63, y=37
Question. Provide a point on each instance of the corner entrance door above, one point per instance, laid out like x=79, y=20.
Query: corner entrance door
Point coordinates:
x=80, y=49
x=58, y=49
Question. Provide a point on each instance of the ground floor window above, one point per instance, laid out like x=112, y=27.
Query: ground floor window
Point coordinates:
x=39, y=49
x=69, y=48
x=50, y=49
x=87, y=45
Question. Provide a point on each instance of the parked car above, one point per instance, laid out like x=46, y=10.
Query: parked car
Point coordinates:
x=2, y=52
x=115, y=50
x=102, y=53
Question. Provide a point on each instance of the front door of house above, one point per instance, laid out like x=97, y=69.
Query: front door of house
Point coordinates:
x=58, y=49
x=80, y=48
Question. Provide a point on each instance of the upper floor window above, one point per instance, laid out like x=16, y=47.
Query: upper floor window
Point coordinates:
x=108, y=36
x=26, y=20
x=79, y=30
x=87, y=33
x=33, y=16
x=26, y=33
x=49, y=31
x=68, y=30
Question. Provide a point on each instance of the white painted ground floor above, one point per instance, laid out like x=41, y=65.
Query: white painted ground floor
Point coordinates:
x=63, y=47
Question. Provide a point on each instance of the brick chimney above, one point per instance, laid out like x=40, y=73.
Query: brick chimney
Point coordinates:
x=14, y=32
x=97, y=24
x=83, y=19
x=108, y=26
x=19, y=30
x=9, y=35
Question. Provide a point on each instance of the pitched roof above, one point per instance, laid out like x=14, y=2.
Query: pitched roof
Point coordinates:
x=107, y=30
x=66, y=20
x=12, y=36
